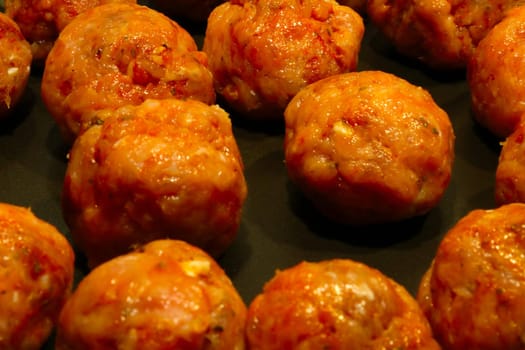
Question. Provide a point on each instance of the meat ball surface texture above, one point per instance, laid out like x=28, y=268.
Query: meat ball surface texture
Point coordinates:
x=510, y=172
x=442, y=34
x=496, y=76
x=119, y=54
x=163, y=169
x=36, y=277
x=42, y=20
x=335, y=304
x=262, y=52
x=368, y=147
x=15, y=65
x=165, y=295
x=473, y=292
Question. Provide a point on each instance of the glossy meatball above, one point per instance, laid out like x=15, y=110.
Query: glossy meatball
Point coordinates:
x=42, y=20
x=15, y=65
x=165, y=168
x=510, y=172
x=496, y=76
x=335, y=304
x=263, y=52
x=36, y=276
x=442, y=34
x=165, y=295
x=118, y=54
x=473, y=292
x=368, y=147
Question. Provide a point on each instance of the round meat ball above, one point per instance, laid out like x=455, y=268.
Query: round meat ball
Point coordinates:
x=165, y=295
x=496, y=73
x=36, y=274
x=442, y=34
x=472, y=293
x=193, y=11
x=15, y=65
x=510, y=172
x=165, y=168
x=263, y=52
x=335, y=304
x=42, y=20
x=119, y=54
x=368, y=147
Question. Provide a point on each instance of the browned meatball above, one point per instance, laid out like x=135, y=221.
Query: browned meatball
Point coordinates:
x=442, y=34
x=165, y=168
x=166, y=295
x=510, y=173
x=368, y=147
x=118, y=54
x=36, y=276
x=496, y=76
x=335, y=304
x=263, y=52
x=42, y=20
x=15, y=65
x=473, y=292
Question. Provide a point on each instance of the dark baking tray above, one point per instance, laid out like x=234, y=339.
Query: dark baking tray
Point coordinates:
x=279, y=228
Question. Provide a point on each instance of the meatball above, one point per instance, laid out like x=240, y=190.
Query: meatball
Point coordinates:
x=119, y=54
x=368, y=147
x=442, y=34
x=335, y=304
x=263, y=52
x=15, y=65
x=472, y=293
x=165, y=295
x=41, y=20
x=510, y=172
x=36, y=274
x=165, y=168
x=496, y=76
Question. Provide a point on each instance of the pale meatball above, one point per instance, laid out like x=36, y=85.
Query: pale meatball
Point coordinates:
x=442, y=34
x=165, y=295
x=496, y=76
x=473, y=292
x=263, y=52
x=335, y=304
x=165, y=168
x=119, y=54
x=510, y=172
x=15, y=65
x=36, y=277
x=368, y=147
x=41, y=20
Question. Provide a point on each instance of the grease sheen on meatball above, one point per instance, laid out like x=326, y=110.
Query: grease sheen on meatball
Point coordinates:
x=442, y=34
x=15, y=64
x=36, y=277
x=472, y=294
x=165, y=168
x=335, y=304
x=368, y=147
x=165, y=295
x=42, y=20
x=496, y=74
x=118, y=54
x=262, y=52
